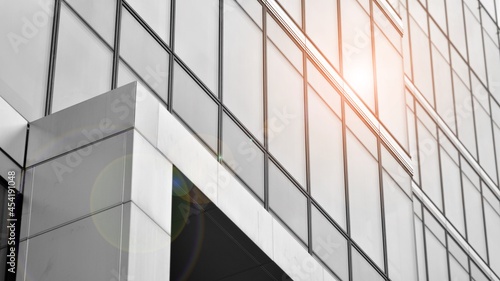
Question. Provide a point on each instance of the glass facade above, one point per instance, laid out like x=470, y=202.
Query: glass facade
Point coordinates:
x=370, y=128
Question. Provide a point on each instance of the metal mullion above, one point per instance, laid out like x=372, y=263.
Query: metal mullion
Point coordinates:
x=346, y=185
x=307, y=152
x=116, y=49
x=481, y=183
x=264, y=112
x=220, y=79
x=428, y=16
x=382, y=206
x=463, y=198
x=52, y=57
x=424, y=234
x=171, y=56
x=451, y=68
x=339, y=32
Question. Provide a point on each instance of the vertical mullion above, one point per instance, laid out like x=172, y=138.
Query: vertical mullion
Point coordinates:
x=264, y=91
x=116, y=49
x=306, y=135
x=339, y=32
x=346, y=186
x=171, y=56
x=52, y=56
x=220, y=81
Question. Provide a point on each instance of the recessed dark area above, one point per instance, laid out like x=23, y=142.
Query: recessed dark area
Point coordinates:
x=207, y=245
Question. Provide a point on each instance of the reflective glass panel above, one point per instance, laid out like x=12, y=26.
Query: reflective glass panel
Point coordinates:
x=362, y=270
x=322, y=27
x=196, y=38
x=364, y=199
x=399, y=232
x=99, y=14
x=26, y=28
x=243, y=67
x=156, y=13
x=285, y=124
x=326, y=158
x=195, y=107
x=357, y=51
x=143, y=54
x=83, y=64
x=287, y=202
x=243, y=156
x=474, y=216
x=329, y=245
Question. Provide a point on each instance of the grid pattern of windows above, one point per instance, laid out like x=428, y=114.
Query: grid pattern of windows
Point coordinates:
x=244, y=84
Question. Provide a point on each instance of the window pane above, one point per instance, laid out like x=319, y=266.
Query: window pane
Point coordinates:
x=465, y=120
x=323, y=88
x=493, y=66
x=243, y=67
x=286, y=114
x=452, y=192
x=357, y=51
x=196, y=38
x=429, y=165
x=390, y=88
x=144, y=55
x=419, y=236
x=474, y=217
x=399, y=228
x=457, y=272
x=442, y=85
x=457, y=31
x=329, y=245
x=396, y=171
x=322, y=27
x=287, y=202
x=436, y=258
x=493, y=232
x=361, y=131
x=475, y=44
x=195, y=107
x=83, y=64
x=26, y=27
x=485, y=141
x=437, y=11
x=364, y=199
x=421, y=59
x=156, y=13
x=284, y=44
x=362, y=270
x=326, y=158
x=243, y=156
x=99, y=14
